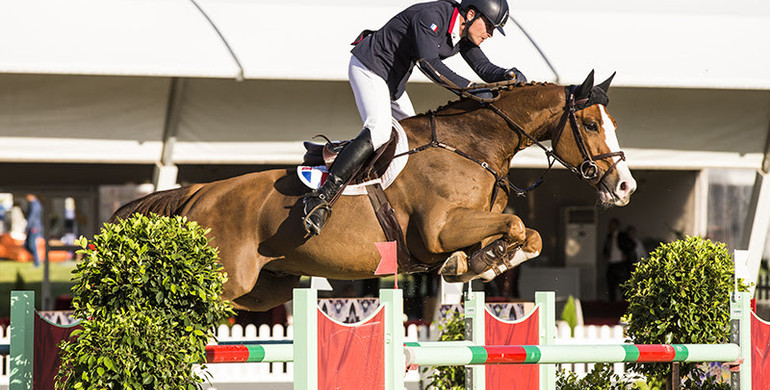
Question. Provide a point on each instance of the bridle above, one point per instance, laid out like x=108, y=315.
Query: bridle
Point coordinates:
x=586, y=170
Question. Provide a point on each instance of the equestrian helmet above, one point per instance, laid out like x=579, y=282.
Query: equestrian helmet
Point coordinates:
x=494, y=10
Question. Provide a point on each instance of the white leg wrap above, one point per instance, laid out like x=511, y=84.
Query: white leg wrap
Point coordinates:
x=519, y=257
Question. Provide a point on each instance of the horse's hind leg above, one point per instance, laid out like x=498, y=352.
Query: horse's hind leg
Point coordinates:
x=271, y=290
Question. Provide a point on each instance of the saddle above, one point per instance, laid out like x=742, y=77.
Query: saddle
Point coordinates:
x=324, y=154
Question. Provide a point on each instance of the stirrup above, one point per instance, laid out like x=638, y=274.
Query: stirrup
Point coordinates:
x=310, y=226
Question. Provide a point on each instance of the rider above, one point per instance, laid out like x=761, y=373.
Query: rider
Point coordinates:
x=381, y=64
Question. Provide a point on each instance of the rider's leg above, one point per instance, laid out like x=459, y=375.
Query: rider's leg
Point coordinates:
x=372, y=97
x=373, y=100
x=402, y=107
x=317, y=206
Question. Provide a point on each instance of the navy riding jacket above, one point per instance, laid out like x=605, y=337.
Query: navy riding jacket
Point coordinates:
x=422, y=32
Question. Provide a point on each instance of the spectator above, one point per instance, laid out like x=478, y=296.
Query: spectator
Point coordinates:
x=616, y=247
x=636, y=250
x=34, y=228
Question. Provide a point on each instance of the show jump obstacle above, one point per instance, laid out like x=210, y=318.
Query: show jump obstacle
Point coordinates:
x=372, y=354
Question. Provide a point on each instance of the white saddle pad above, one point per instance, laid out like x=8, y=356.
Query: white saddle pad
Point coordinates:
x=314, y=177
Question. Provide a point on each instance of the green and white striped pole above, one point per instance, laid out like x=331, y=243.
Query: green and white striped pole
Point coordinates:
x=432, y=354
x=249, y=353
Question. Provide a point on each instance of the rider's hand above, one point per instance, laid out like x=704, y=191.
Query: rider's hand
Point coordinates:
x=515, y=74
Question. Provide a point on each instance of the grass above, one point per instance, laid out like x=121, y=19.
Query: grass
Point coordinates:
x=24, y=276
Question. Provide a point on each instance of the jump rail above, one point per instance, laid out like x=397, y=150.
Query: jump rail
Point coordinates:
x=463, y=355
x=396, y=355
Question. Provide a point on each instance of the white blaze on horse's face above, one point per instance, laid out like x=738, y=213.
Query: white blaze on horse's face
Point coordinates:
x=625, y=184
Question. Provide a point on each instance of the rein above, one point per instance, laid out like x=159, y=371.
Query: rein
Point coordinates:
x=587, y=170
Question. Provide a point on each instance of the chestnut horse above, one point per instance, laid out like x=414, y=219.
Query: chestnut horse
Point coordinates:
x=443, y=199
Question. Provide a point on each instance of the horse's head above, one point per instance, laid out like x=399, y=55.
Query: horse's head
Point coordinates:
x=585, y=141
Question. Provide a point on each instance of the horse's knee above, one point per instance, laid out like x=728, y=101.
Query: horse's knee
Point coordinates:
x=533, y=243
x=270, y=291
x=232, y=291
x=238, y=285
x=517, y=232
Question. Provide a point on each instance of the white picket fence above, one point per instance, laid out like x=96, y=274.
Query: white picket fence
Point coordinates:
x=589, y=335
x=232, y=373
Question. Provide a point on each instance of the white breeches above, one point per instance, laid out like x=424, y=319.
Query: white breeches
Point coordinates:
x=374, y=104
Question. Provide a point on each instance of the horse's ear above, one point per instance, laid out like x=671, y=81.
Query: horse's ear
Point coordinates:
x=605, y=85
x=584, y=89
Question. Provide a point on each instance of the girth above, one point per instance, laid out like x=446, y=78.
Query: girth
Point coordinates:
x=386, y=216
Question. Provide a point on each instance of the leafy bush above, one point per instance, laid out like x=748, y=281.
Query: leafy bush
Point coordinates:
x=569, y=315
x=148, y=291
x=601, y=377
x=450, y=377
x=680, y=295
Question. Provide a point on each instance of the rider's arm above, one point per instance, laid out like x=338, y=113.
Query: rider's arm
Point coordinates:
x=427, y=30
x=480, y=64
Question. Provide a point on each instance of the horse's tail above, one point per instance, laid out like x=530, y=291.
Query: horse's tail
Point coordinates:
x=164, y=203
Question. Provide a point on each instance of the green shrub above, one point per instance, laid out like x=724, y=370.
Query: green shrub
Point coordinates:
x=601, y=377
x=569, y=315
x=680, y=295
x=450, y=377
x=148, y=292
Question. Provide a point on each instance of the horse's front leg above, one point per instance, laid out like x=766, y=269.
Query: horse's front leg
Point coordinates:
x=504, y=241
x=531, y=248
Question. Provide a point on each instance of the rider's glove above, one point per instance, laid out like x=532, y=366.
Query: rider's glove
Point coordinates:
x=515, y=74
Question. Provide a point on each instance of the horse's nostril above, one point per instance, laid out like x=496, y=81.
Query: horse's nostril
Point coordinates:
x=623, y=186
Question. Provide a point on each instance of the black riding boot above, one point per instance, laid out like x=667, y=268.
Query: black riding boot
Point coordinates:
x=317, y=207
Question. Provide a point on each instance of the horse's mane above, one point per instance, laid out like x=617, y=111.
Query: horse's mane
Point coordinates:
x=462, y=103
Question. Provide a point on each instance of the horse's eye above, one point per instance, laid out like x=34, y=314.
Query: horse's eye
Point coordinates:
x=592, y=126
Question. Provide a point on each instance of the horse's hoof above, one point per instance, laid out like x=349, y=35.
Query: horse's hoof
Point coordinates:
x=456, y=264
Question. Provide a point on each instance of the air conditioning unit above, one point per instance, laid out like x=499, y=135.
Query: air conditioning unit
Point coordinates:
x=580, y=251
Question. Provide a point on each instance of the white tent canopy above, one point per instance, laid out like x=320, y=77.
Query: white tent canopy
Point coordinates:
x=64, y=97
x=102, y=119
x=653, y=43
